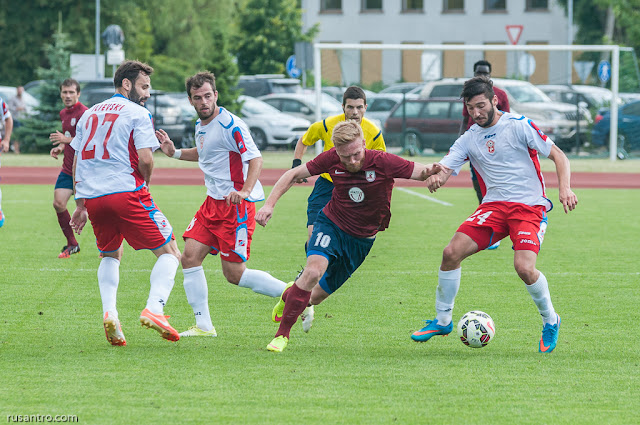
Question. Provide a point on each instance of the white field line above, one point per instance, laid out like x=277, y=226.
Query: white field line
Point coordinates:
x=420, y=195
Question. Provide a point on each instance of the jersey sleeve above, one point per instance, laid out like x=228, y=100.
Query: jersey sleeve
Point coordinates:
x=144, y=135
x=321, y=163
x=458, y=154
x=398, y=167
x=4, y=110
x=535, y=138
x=373, y=136
x=243, y=143
x=314, y=133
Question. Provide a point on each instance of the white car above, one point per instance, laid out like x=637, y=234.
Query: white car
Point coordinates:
x=303, y=105
x=270, y=127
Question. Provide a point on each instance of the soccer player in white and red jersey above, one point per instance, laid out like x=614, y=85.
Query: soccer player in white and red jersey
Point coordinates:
x=345, y=229
x=70, y=115
x=5, y=116
x=114, y=146
x=225, y=222
x=503, y=148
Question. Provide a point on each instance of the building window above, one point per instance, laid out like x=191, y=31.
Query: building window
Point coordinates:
x=537, y=4
x=495, y=5
x=412, y=5
x=372, y=5
x=331, y=5
x=453, y=6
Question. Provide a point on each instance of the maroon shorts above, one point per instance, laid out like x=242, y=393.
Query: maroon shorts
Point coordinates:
x=128, y=215
x=494, y=221
x=227, y=229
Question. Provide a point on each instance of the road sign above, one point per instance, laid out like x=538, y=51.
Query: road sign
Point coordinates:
x=514, y=32
x=583, y=69
x=291, y=67
x=527, y=64
x=604, y=71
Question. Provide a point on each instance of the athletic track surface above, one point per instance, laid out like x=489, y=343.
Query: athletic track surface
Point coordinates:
x=193, y=176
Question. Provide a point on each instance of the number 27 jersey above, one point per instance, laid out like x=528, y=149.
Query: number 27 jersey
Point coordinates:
x=107, y=140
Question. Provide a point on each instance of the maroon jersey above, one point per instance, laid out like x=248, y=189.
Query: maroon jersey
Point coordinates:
x=69, y=118
x=360, y=202
x=503, y=105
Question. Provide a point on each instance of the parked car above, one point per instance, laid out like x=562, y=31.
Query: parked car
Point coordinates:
x=264, y=84
x=31, y=103
x=593, y=97
x=33, y=87
x=628, y=128
x=270, y=127
x=431, y=123
x=303, y=105
x=558, y=120
x=338, y=92
x=401, y=88
x=166, y=113
x=380, y=105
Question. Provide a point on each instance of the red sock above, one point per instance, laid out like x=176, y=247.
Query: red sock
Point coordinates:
x=63, y=219
x=297, y=300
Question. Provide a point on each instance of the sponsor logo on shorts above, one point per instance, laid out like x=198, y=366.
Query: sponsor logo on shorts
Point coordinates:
x=356, y=194
x=224, y=253
x=523, y=233
x=370, y=175
x=529, y=241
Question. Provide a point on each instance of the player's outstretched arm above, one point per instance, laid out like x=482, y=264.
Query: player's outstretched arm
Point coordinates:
x=422, y=172
x=298, y=153
x=437, y=180
x=281, y=187
x=568, y=199
x=58, y=138
x=168, y=148
x=145, y=163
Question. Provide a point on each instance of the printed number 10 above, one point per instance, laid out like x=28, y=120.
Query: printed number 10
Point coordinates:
x=322, y=240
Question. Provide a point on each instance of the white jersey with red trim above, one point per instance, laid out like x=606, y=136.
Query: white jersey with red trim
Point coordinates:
x=505, y=158
x=225, y=148
x=107, y=140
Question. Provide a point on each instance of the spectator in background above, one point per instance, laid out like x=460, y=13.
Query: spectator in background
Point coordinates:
x=19, y=112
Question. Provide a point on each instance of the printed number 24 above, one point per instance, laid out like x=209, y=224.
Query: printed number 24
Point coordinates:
x=93, y=121
x=481, y=217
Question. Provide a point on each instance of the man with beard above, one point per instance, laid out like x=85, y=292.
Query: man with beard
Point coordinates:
x=70, y=115
x=504, y=149
x=225, y=222
x=114, y=146
x=354, y=105
x=345, y=229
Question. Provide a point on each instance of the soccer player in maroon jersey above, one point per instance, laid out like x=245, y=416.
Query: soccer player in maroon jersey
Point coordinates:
x=345, y=229
x=70, y=115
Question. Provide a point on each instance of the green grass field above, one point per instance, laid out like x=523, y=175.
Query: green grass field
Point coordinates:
x=357, y=365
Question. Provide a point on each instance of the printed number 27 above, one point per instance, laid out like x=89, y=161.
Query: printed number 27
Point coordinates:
x=93, y=121
x=481, y=217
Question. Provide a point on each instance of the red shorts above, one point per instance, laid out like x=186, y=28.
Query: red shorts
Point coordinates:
x=227, y=229
x=128, y=215
x=494, y=221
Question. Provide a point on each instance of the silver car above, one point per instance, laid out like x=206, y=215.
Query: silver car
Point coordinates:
x=303, y=105
x=270, y=127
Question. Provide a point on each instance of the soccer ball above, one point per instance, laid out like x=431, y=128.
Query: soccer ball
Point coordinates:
x=476, y=329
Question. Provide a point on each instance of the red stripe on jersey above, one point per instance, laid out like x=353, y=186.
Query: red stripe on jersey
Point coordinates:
x=533, y=154
x=235, y=170
x=133, y=160
x=237, y=136
x=483, y=186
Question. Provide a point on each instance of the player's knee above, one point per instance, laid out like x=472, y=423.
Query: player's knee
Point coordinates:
x=450, y=255
x=59, y=206
x=188, y=261
x=233, y=276
x=527, y=272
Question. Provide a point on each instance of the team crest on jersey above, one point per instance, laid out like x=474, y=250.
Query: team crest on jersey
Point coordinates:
x=370, y=175
x=201, y=141
x=73, y=121
x=356, y=194
x=491, y=146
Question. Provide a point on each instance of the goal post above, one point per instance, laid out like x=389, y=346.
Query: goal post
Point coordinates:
x=614, y=50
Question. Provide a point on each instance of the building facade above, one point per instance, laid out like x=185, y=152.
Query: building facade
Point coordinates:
x=474, y=22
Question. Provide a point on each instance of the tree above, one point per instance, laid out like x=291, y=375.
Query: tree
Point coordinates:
x=34, y=133
x=268, y=32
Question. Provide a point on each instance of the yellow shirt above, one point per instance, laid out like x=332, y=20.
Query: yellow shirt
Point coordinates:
x=322, y=130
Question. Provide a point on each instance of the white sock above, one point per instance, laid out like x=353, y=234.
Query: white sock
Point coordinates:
x=448, y=285
x=540, y=293
x=261, y=283
x=195, y=286
x=162, y=279
x=108, y=279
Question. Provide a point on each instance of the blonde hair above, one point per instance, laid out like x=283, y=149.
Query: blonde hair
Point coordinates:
x=346, y=132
